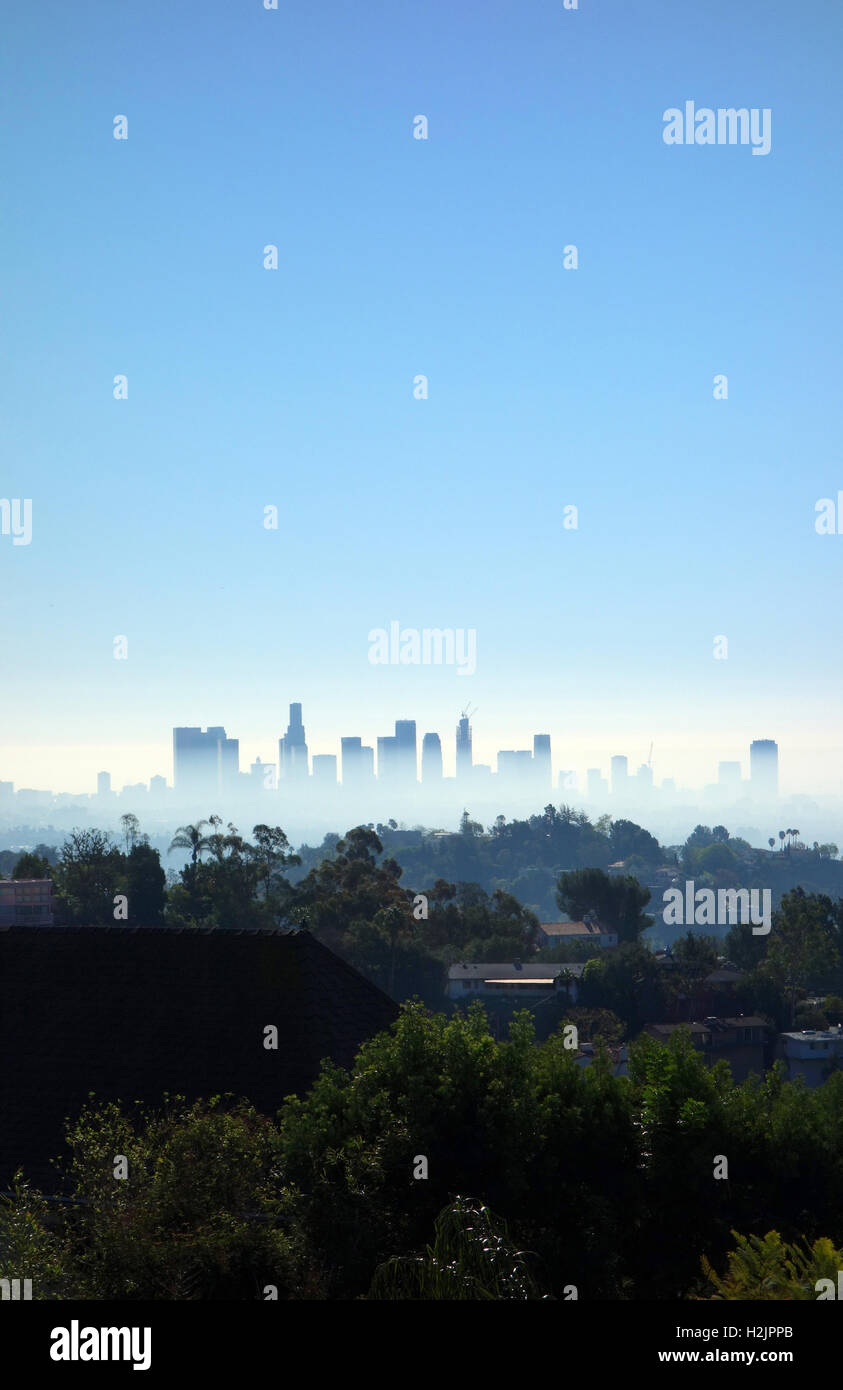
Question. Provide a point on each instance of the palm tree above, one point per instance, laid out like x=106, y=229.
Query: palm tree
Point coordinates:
x=782, y=834
x=772, y=842
x=191, y=837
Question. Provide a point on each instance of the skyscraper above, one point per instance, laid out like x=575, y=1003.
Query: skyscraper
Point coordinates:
x=358, y=762
x=387, y=758
x=104, y=784
x=405, y=750
x=292, y=749
x=431, y=758
x=204, y=764
x=464, y=758
x=542, y=766
x=620, y=776
x=764, y=769
x=325, y=769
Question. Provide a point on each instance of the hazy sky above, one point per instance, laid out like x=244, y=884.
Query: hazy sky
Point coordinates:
x=397, y=257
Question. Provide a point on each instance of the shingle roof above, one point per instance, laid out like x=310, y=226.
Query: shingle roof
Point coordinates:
x=130, y=1013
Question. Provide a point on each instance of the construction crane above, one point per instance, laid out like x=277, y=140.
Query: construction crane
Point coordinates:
x=468, y=712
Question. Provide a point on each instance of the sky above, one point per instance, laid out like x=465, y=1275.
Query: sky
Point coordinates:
x=293, y=387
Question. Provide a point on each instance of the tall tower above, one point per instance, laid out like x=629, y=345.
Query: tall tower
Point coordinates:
x=464, y=758
x=620, y=776
x=406, y=754
x=542, y=765
x=292, y=749
x=764, y=769
x=431, y=758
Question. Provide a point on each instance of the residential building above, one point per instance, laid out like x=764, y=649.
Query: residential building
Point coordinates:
x=741, y=1041
x=26, y=902
x=812, y=1054
x=556, y=933
x=514, y=980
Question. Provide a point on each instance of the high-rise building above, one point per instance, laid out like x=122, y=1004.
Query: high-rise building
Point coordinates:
x=204, y=763
x=431, y=758
x=387, y=758
x=464, y=756
x=764, y=769
x=358, y=761
x=325, y=769
x=292, y=749
x=405, y=750
x=542, y=766
x=516, y=764
x=104, y=784
x=620, y=776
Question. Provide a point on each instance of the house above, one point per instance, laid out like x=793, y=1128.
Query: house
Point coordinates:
x=559, y=933
x=618, y=1056
x=130, y=1013
x=525, y=983
x=812, y=1054
x=741, y=1041
x=26, y=902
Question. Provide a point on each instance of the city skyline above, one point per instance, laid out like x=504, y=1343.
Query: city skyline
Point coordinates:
x=208, y=761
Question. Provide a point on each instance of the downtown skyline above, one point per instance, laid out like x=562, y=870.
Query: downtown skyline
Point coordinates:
x=210, y=760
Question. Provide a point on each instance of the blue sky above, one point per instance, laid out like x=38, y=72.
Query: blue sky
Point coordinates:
x=397, y=256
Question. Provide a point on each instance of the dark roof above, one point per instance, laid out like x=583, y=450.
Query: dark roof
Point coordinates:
x=130, y=1013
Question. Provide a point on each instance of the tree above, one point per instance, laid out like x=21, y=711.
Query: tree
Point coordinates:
x=31, y=866
x=190, y=837
x=472, y=1257
x=772, y=1270
x=88, y=877
x=145, y=885
x=802, y=945
x=130, y=826
x=618, y=902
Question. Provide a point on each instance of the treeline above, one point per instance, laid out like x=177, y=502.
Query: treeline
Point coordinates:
x=403, y=937
x=435, y=1165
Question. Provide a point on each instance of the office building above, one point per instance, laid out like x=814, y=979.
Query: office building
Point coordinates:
x=292, y=749
x=357, y=761
x=325, y=769
x=464, y=754
x=620, y=776
x=405, y=750
x=204, y=763
x=431, y=758
x=542, y=766
x=764, y=769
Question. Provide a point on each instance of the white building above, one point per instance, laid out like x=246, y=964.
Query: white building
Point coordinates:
x=812, y=1054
